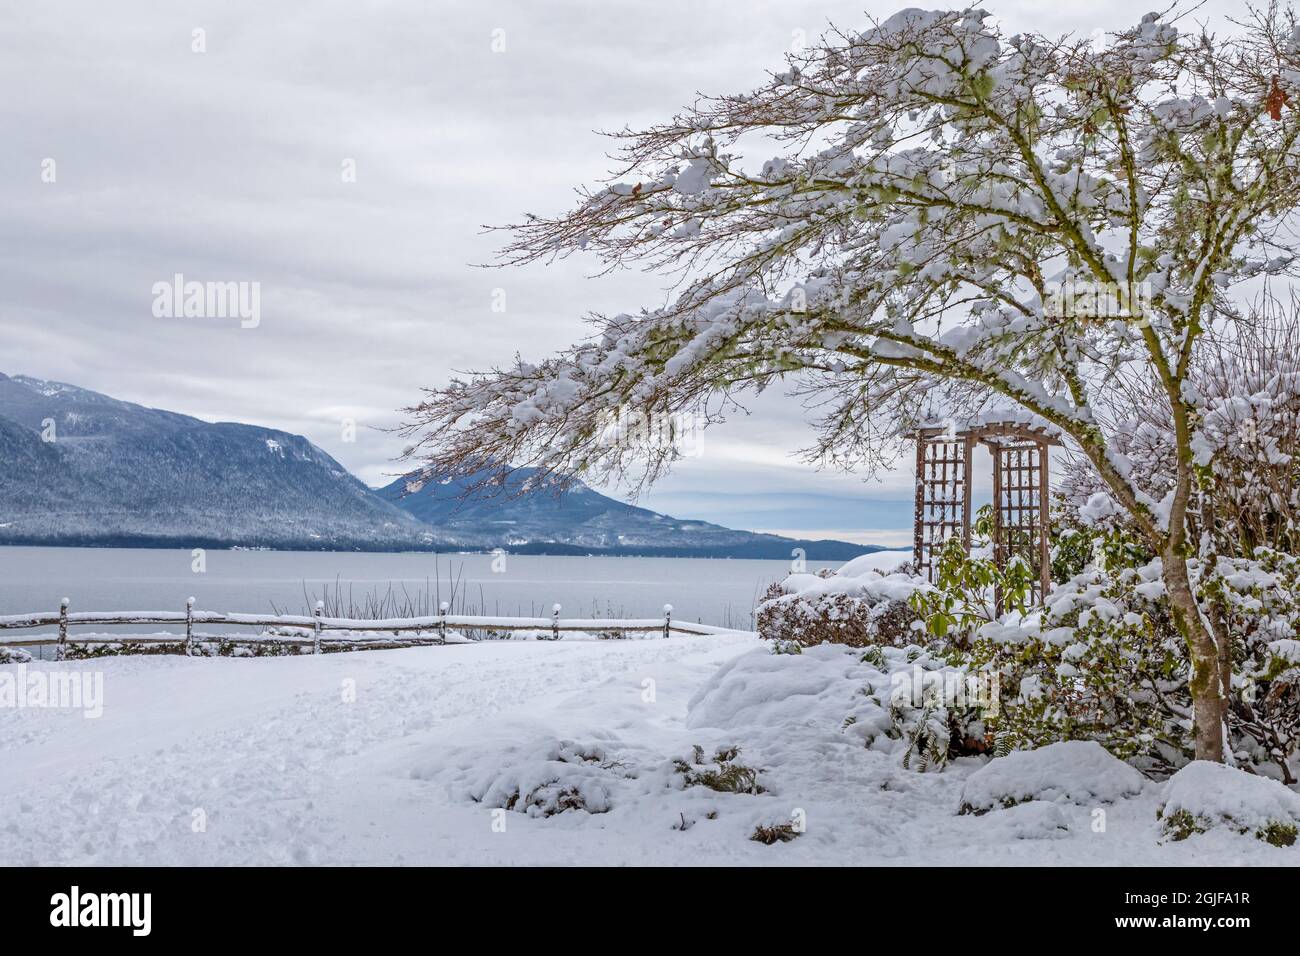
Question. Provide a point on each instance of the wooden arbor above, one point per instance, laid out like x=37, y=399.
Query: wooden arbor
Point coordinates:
x=1020, y=495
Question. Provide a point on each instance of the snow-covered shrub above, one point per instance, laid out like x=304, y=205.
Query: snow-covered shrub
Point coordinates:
x=774, y=833
x=724, y=773
x=545, y=776
x=919, y=708
x=900, y=701
x=234, y=647
x=77, y=651
x=857, y=605
x=1250, y=434
x=13, y=655
x=564, y=776
x=228, y=646
x=1099, y=662
x=1259, y=600
x=1205, y=795
x=1072, y=771
x=968, y=586
x=1243, y=511
x=1102, y=661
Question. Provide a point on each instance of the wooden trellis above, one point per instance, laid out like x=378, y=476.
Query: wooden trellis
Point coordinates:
x=1020, y=496
x=942, y=495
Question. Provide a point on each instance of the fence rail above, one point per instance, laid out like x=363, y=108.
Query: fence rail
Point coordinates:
x=323, y=629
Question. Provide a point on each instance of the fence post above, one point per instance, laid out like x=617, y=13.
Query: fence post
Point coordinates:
x=442, y=624
x=63, y=630
x=315, y=644
x=555, y=623
x=189, y=627
x=668, y=620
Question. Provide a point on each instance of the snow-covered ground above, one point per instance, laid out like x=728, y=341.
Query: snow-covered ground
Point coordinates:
x=271, y=760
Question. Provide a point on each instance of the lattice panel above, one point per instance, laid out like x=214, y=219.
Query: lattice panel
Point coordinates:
x=1020, y=508
x=942, y=498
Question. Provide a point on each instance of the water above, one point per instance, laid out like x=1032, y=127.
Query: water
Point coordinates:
x=712, y=591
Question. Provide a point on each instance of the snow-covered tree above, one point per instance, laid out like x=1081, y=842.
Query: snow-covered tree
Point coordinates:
x=954, y=219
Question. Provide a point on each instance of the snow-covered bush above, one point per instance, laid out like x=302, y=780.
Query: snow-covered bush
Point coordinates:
x=724, y=773
x=1072, y=771
x=229, y=646
x=901, y=701
x=971, y=588
x=13, y=655
x=234, y=647
x=1104, y=660
x=774, y=833
x=77, y=651
x=1206, y=795
x=564, y=775
x=1258, y=602
x=545, y=776
x=858, y=605
x=921, y=708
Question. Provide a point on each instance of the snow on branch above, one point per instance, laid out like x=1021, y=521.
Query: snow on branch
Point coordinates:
x=954, y=217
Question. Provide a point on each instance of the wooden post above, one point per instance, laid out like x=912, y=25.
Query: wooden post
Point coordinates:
x=442, y=623
x=967, y=454
x=918, y=536
x=668, y=620
x=63, y=630
x=315, y=644
x=999, y=553
x=1044, y=520
x=189, y=627
x=555, y=623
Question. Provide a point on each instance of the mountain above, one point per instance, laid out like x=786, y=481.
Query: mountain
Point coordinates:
x=81, y=468
x=580, y=520
x=115, y=473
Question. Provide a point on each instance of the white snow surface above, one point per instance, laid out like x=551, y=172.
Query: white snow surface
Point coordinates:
x=885, y=561
x=776, y=692
x=879, y=576
x=1080, y=772
x=246, y=761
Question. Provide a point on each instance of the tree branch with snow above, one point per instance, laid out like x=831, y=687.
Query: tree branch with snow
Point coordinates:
x=945, y=210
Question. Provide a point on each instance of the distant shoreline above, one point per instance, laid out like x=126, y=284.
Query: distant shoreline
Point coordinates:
x=840, y=551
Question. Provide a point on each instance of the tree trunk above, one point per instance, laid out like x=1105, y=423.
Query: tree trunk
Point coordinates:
x=1223, y=638
x=1208, y=700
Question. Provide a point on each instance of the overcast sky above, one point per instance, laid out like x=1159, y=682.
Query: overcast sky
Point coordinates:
x=228, y=164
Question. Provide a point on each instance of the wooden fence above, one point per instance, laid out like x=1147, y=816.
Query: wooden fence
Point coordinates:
x=323, y=630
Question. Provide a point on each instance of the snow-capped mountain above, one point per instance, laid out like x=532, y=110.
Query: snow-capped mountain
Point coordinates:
x=81, y=468
x=583, y=521
x=78, y=467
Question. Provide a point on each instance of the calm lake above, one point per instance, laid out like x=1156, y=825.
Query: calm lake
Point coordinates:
x=713, y=591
